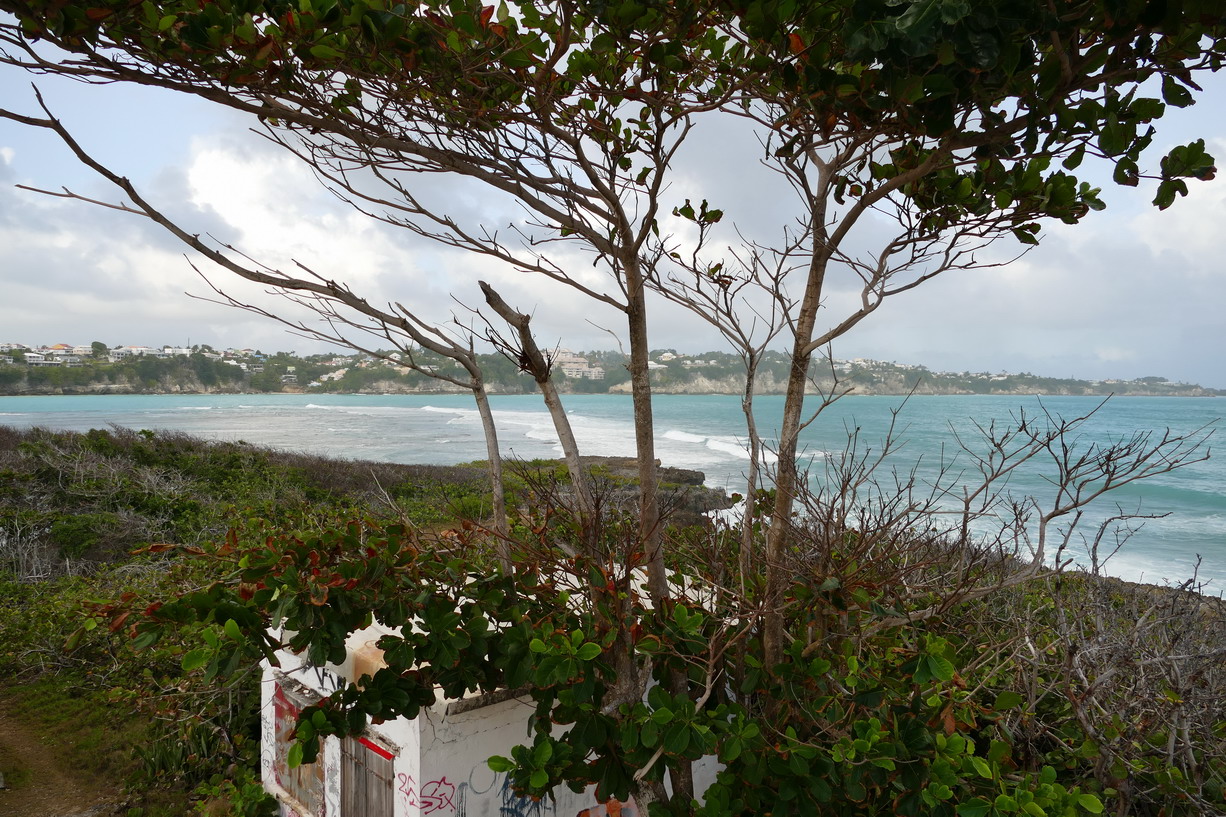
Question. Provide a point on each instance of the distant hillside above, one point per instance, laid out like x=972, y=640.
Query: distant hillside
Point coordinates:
x=588, y=373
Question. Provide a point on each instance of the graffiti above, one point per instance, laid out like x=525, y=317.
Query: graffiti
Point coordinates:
x=613, y=808
x=514, y=805
x=469, y=800
x=408, y=789
x=437, y=795
x=325, y=680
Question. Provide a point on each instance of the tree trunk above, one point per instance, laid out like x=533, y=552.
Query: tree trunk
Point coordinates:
x=650, y=534
x=501, y=528
x=745, y=561
x=786, y=477
x=533, y=360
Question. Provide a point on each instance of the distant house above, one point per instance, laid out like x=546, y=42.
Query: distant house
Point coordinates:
x=40, y=359
x=576, y=366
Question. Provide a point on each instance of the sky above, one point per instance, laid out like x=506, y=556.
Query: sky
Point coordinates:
x=1130, y=292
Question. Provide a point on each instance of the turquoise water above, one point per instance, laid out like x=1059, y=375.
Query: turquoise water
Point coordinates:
x=705, y=433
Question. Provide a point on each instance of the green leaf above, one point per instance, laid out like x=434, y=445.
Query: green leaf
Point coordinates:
x=538, y=646
x=498, y=763
x=1007, y=700
x=1174, y=93
x=662, y=715
x=294, y=757
x=146, y=639
x=1006, y=803
x=939, y=667
x=678, y=739
x=1167, y=191
x=539, y=779
x=999, y=751
x=1090, y=803
x=588, y=651
x=232, y=631
x=542, y=753
x=325, y=52
x=195, y=660
x=981, y=767
x=975, y=808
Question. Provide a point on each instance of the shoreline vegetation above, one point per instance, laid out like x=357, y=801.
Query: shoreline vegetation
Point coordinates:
x=144, y=517
x=205, y=371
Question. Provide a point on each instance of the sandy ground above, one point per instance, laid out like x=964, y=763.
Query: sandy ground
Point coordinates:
x=49, y=788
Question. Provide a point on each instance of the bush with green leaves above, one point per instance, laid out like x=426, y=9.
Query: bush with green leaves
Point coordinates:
x=909, y=718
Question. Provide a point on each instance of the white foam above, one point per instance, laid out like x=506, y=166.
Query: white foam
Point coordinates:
x=683, y=436
x=447, y=410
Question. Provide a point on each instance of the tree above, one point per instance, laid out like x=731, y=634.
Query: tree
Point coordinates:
x=947, y=117
x=942, y=116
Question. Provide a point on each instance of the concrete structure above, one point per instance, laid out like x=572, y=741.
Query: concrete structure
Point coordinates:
x=432, y=765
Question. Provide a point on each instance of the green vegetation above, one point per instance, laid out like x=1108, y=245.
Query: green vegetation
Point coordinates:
x=976, y=711
x=1061, y=697
x=74, y=507
x=718, y=371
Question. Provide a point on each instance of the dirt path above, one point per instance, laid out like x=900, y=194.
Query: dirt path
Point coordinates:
x=38, y=784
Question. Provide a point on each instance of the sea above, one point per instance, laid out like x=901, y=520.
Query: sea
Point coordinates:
x=933, y=439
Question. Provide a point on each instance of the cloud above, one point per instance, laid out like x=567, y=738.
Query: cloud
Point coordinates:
x=1130, y=292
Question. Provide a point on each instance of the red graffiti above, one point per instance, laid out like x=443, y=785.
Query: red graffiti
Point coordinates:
x=408, y=789
x=437, y=795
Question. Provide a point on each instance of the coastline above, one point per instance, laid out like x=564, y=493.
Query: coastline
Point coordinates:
x=391, y=388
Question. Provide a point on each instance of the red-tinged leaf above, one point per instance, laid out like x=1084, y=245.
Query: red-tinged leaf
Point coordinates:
x=795, y=43
x=117, y=621
x=486, y=13
x=160, y=547
x=98, y=14
x=499, y=29
x=153, y=608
